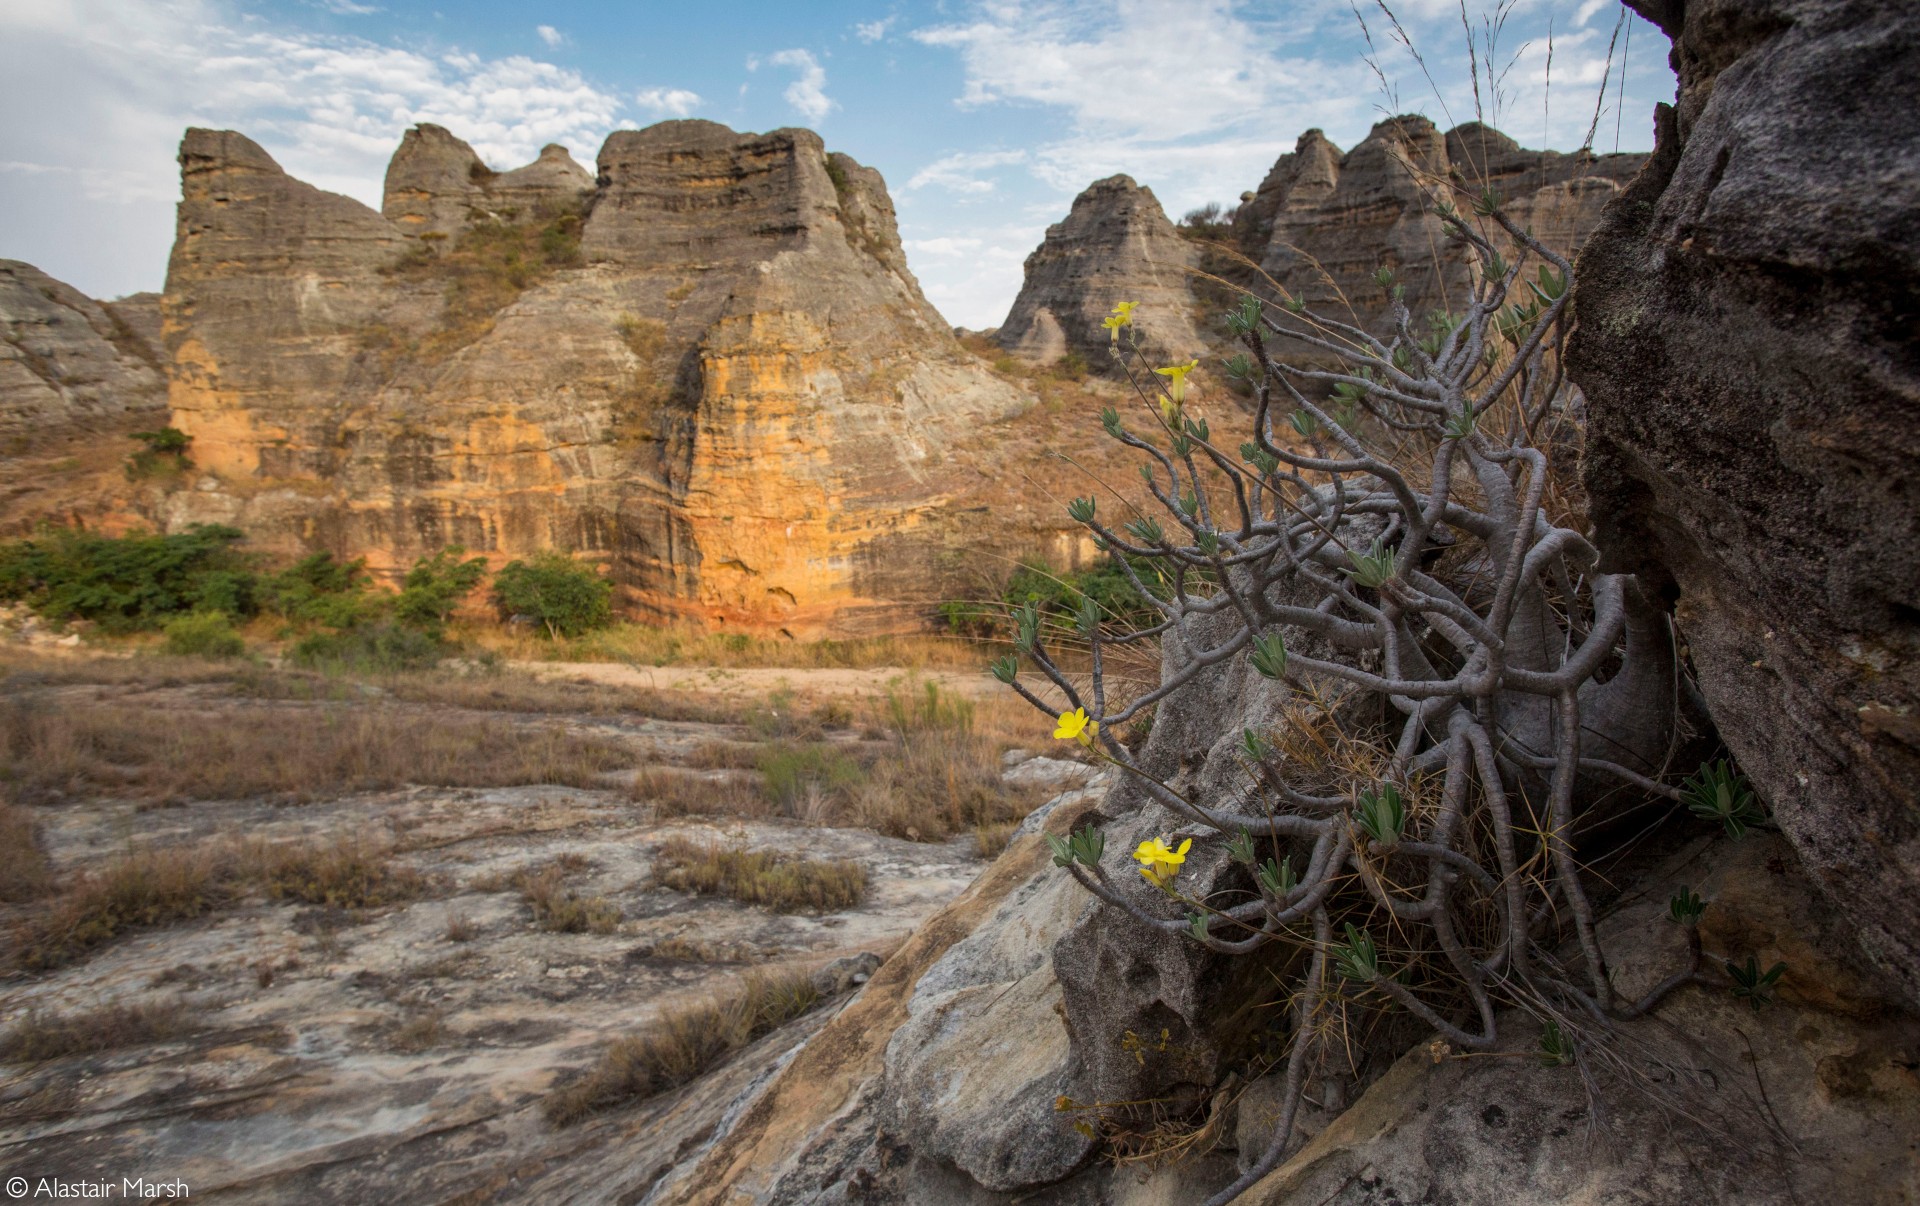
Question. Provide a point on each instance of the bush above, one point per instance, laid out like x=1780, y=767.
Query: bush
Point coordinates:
x=566, y=597
x=383, y=648
x=162, y=452
x=318, y=589
x=128, y=583
x=434, y=587
x=203, y=634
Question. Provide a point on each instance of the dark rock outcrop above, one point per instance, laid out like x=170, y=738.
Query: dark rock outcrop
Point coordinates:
x=1747, y=345
x=1116, y=245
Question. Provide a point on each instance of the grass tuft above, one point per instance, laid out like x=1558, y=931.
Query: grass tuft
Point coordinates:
x=682, y=1045
x=41, y=1036
x=783, y=883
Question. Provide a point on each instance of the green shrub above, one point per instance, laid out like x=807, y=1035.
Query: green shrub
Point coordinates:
x=1058, y=595
x=128, y=583
x=162, y=452
x=434, y=587
x=203, y=634
x=566, y=597
x=382, y=648
x=789, y=770
x=318, y=589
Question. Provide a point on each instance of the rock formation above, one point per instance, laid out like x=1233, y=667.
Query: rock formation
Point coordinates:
x=66, y=359
x=1746, y=343
x=1115, y=245
x=1320, y=224
x=710, y=369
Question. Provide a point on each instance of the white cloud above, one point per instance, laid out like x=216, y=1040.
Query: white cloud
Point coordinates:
x=873, y=31
x=807, y=94
x=945, y=247
x=347, y=8
x=97, y=116
x=667, y=102
x=959, y=172
x=549, y=35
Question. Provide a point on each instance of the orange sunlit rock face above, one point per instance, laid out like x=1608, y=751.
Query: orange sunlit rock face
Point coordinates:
x=717, y=379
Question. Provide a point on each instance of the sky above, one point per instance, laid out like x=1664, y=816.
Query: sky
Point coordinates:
x=985, y=116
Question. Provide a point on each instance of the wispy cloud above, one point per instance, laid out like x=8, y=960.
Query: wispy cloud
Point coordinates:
x=807, y=93
x=549, y=35
x=961, y=172
x=331, y=109
x=347, y=8
x=874, y=31
x=667, y=102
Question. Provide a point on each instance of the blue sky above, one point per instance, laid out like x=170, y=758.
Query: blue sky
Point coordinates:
x=985, y=116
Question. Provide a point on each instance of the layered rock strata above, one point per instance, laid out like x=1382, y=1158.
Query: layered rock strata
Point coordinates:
x=1115, y=245
x=66, y=359
x=1746, y=343
x=1319, y=226
x=711, y=371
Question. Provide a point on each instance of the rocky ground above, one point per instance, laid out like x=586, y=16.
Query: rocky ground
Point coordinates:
x=311, y=1051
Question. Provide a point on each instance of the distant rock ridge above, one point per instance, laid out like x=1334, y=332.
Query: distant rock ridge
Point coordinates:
x=1115, y=245
x=438, y=186
x=1320, y=224
x=67, y=359
x=723, y=383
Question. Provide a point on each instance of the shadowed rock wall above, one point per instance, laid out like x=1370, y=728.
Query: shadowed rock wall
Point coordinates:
x=1747, y=345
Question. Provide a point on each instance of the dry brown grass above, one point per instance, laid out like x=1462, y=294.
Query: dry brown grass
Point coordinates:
x=23, y=865
x=558, y=908
x=422, y=1031
x=41, y=1036
x=55, y=748
x=682, y=1045
x=783, y=883
x=992, y=839
x=645, y=645
x=175, y=883
x=677, y=793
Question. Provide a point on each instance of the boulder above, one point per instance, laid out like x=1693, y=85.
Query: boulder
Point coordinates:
x=1812, y=1098
x=1745, y=342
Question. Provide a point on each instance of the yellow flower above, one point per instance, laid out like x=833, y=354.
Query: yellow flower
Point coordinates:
x=1122, y=316
x=1160, y=862
x=1176, y=375
x=1074, y=726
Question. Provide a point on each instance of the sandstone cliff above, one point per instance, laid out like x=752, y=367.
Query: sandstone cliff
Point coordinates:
x=1115, y=245
x=66, y=359
x=1320, y=224
x=711, y=369
x=1746, y=342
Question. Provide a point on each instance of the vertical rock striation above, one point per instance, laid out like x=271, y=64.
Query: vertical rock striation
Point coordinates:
x=1115, y=245
x=1746, y=342
x=709, y=368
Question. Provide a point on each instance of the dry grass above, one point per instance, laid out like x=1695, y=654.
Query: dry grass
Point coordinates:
x=992, y=839
x=512, y=693
x=57, y=748
x=422, y=1031
x=23, y=865
x=783, y=883
x=646, y=645
x=41, y=1036
x=176, y=883
x=682, y=1045
x=676, y=793
x=558, y=908
x=460, y=927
